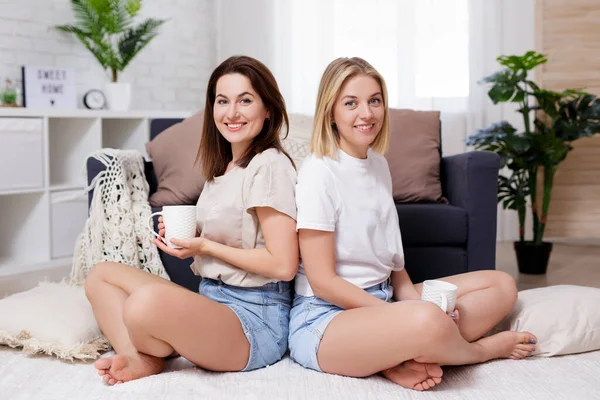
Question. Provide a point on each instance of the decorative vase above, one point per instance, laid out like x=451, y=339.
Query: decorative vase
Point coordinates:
x=533, y=258
x=118, y=96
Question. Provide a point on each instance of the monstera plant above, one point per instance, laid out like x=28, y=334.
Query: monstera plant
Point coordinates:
x=551, y=121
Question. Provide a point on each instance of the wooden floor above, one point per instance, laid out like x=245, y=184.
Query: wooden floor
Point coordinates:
x=570, y=264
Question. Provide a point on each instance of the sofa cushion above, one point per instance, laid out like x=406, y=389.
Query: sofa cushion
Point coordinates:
x=434, y=262
x=432, y=224
x=414, y=155
x=173, y=153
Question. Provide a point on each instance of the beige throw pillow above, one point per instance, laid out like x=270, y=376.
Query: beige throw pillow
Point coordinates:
x=54, y=319
x=564, y=318
x=173, y=153
x=414, y=156
x=298, y=139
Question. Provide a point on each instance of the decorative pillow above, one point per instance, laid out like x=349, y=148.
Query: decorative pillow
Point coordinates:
x=565, y=319
x=173, y=153
x=414, y=156
x=298, y=139
x=52, y=318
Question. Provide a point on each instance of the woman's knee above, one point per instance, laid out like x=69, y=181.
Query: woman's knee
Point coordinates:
x=507, y=286
x=95, y=277
x=427, y=320
x=143, y=305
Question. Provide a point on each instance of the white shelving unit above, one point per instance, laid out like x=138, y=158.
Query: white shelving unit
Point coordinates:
x=43, y=206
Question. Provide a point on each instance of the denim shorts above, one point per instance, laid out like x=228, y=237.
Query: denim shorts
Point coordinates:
x=264, y=312
x=309, y=319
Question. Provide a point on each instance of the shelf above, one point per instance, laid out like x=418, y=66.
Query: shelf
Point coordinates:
x=130, y=133
x=71, y=141
x=82, y=113
x=58, y=188
x=20, y=191
x=23, y=238
x=43, y=204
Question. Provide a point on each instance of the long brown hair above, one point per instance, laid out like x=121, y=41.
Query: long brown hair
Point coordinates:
x=214, y=152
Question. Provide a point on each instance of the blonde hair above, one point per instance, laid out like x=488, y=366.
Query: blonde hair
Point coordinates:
x=325, y=138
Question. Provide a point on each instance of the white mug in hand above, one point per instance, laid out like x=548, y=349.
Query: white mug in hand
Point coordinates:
x=441, y=293
x=180, y=223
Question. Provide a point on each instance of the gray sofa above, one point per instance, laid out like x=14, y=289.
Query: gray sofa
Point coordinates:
x=439, y=239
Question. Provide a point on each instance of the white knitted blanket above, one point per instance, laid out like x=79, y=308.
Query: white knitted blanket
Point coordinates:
x=117, y=226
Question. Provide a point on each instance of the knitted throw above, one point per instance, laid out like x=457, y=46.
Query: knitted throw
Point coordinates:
x=117, y=226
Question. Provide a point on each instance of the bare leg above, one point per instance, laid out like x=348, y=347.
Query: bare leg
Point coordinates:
x=484, y=298
x=407, y=330
x=161, y=319
x=107, y=287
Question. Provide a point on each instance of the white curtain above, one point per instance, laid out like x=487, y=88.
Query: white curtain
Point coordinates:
x=431, y=53
x=421, y=47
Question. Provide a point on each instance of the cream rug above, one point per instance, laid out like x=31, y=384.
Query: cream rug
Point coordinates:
x=566, y=377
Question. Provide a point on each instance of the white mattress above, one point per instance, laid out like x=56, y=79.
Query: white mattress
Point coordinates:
x=567, y=377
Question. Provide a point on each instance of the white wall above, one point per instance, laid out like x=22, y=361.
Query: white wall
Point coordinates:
x=246, y=28
x=170, y=73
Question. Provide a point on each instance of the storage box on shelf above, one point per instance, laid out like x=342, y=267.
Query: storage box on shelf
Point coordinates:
x=42, y=201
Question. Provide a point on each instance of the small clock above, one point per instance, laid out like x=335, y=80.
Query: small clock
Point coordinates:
x=94, y=100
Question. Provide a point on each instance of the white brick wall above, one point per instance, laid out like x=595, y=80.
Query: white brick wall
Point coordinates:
x=169, y=74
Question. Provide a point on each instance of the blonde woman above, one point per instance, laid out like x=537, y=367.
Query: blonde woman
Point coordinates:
x=344, y=319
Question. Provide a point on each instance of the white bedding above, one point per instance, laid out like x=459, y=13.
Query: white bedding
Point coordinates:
x=566, y=377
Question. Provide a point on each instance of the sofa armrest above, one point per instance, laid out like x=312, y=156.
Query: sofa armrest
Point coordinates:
x=95, y=166
x=470, y=181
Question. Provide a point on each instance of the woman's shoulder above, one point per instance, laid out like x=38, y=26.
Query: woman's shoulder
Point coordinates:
x=270, y=156
x=272, y=159
x=315, y=167
x=378, y=159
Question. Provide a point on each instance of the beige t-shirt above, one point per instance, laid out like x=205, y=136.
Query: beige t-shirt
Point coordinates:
x=226, y=212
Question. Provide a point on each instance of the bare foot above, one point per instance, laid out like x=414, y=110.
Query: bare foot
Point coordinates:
x=415, y=375
x=122, y=368
x=508, y=344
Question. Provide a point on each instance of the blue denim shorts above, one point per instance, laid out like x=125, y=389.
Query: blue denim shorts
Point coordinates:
x=264, y=312
x=309, y=319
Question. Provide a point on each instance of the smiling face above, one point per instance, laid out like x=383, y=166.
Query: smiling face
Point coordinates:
x=359, y=113
x=239, y=112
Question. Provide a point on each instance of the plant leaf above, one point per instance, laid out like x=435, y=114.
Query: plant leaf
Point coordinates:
x=577, y=118
x=88, y=41
x=136, y=38
x=526, y=62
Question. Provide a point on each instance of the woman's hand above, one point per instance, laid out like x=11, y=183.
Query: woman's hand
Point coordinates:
x=189, y=247
x=161, y=227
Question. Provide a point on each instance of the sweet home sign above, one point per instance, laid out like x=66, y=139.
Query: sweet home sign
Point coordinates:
x=49, y=87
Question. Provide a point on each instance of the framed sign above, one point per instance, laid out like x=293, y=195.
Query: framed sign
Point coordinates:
x=49, y=87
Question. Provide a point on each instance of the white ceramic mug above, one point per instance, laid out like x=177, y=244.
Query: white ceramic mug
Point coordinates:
x=180, y=223
x=441, y=293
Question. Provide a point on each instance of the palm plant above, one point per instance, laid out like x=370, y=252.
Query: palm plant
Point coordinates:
x=105, y=27
x=559, y=119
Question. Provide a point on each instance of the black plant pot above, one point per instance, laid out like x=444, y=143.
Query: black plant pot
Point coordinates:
x=533, y=258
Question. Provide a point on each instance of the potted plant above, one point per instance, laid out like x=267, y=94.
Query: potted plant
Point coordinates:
x=8, y=97
x=551, y=121
x=105, y=27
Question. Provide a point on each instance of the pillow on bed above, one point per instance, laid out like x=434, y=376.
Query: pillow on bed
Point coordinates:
x=565, y=319
x=54, y=319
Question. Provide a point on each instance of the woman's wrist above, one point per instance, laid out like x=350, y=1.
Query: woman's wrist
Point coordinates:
x=206, y=247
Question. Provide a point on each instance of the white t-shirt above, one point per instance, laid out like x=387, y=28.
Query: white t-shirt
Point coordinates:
x=353, y=198
x=226, y=212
